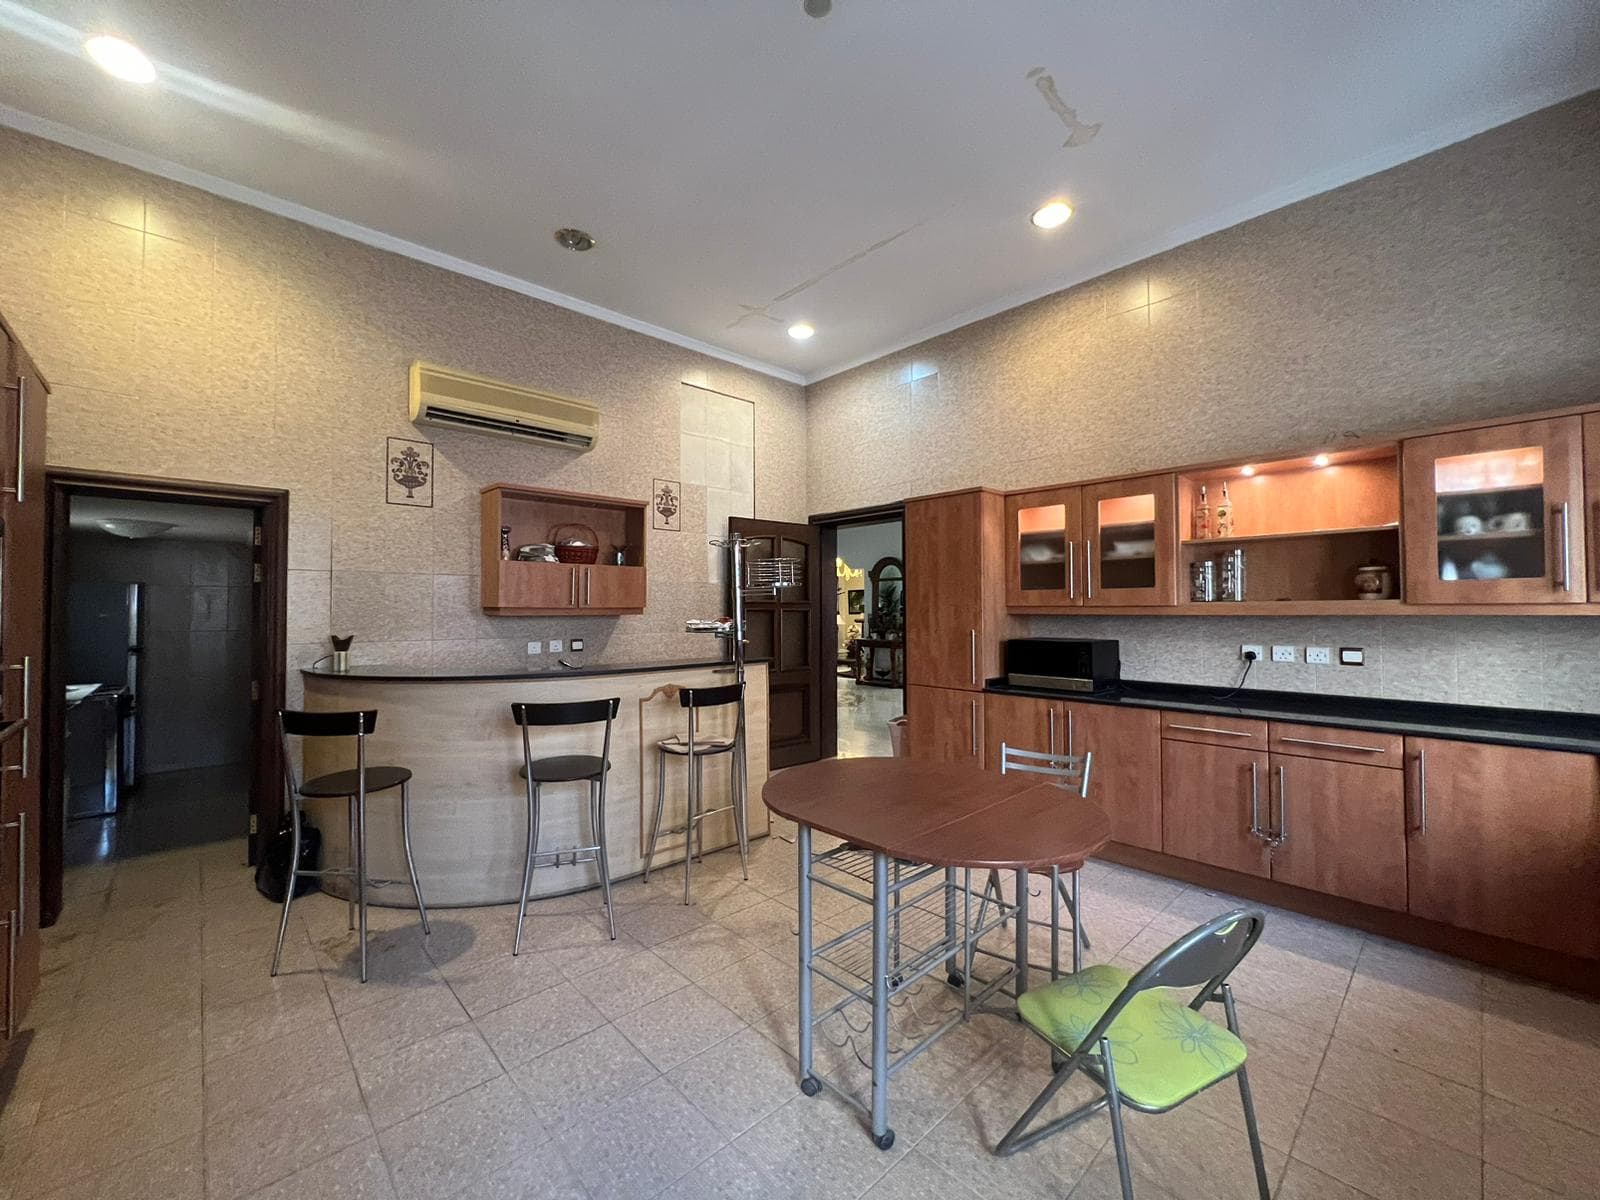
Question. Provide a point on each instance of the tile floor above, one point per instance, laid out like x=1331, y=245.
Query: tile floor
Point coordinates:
x=161, y=1061
x=864, y=716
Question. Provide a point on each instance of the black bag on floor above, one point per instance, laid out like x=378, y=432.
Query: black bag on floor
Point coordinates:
x=272, y=872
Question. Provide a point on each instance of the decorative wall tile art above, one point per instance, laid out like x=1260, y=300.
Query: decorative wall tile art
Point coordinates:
x=409, y=471
x=666, y=504
x=717, y=451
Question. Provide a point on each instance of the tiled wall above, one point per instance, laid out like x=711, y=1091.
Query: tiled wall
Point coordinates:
x=188, y=336
x=1458, y=285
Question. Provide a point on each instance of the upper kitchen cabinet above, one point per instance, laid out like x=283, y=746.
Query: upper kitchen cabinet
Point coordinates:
x=604, y=577
x=1130, y=545
x=1496, y=515
x=955, y=616
x=1043, y=533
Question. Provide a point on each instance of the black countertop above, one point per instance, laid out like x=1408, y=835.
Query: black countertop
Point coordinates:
x=1534, y=728
x=408, y=673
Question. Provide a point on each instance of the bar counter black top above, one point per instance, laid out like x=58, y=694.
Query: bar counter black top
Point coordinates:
x=553, y=668
x=1534, y=728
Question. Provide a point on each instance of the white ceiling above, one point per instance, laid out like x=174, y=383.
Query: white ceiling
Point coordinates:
x=731, y=153
x=190, y=522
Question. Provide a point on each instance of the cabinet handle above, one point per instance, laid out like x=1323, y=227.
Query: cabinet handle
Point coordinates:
x=572, y=589
x=1072, y=732
x=588, y=586
x=1281, y=834
x=974, y=720
x=1331, y=745
x=1255, y=803
x=1072, y=569
x=1564, y=528
x=1050, y=712
x=21, y=389
x=973, y=654
x=1422, y=791
x=1088, y=569
x=26, y=667
x=1212, y=729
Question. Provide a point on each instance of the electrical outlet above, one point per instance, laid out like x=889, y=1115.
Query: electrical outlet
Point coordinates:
x=555, y=646
x=1319, y=656
x=535, y=647
x=1283, y=654
x=1247, y=650
x=575, y=645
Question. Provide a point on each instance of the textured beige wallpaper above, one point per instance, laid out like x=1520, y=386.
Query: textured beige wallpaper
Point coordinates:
x=1459, y=285
x=188, y=336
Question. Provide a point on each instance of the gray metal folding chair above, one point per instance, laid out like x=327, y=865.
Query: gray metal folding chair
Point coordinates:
x=1143, y=1045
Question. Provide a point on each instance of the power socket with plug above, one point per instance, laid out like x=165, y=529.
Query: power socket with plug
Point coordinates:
x=1251, y=653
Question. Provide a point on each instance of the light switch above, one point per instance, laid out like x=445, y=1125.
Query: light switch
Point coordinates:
x=575, y=645
x=1352, y=656
x=555, y=645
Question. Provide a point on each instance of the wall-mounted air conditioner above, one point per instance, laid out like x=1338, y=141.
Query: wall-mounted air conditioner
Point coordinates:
x=457, y=400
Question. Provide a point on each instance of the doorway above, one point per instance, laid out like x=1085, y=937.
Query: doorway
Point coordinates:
x=166, y=666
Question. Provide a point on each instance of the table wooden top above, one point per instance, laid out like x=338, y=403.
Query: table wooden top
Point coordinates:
x=945, y=814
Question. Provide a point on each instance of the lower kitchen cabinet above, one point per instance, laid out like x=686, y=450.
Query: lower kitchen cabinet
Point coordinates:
x=1506, y=841
x=1341, y=829
x=1213, y=797
x=945, y=724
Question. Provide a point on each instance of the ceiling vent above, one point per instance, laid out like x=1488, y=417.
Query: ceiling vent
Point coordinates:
x=457, y=400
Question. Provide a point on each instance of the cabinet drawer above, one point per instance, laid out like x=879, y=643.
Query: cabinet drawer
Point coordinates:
x=1242, y=732
x=1338, y=745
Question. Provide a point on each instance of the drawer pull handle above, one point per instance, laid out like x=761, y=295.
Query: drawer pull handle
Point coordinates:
x=1334, y=745
x=1211, y=729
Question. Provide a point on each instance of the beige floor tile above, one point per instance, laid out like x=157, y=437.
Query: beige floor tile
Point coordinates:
x=408, y=1017
x=425, y=1073
x=260, y=1076
x=659, y=922
x=450, y=1148
x=1381, y=1158
x=629, y=983
x=94, y=1065
x=640, y=1144
x=537, y=1023
x=542, y=1174
x=1429, y=1104
x=1190, y=1154
x=1502, y=1185
x=172, y=1172
x=1103, y=1182
x=397, y=963
x=1440, y=1034
x=253, y=1149
x=704, y=951
x=1541, y=1050
x=571, y=1083
x=294, y=1002
x=1557, y=1157
x=355, y=1173
x=915, y=1177
x=737, y=1082
x=1301, y=1182
x=678, y=1026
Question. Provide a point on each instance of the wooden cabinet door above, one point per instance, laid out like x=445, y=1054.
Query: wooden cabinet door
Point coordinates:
x=954, y=601
x=1210, y=798
x=1496, y=516
x=1131, y=542
x=538, y=585
x=1506, y=841
x=1125, y=772
x=612, y=588
x=944, y=724
x=1591, y=498
x=1342, y=829
x=1022, y=722
x=1044, y=532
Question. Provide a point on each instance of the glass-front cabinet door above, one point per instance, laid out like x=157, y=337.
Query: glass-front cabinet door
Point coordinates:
x=1130, y=542
x=1044, y=563
x=1495, y=516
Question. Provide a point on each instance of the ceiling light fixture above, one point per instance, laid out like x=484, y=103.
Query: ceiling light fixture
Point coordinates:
x=1247, y=471
x=1320, y=460
x=1052, y=215
x=801, y=330
x=119, y=58
x=575, y=239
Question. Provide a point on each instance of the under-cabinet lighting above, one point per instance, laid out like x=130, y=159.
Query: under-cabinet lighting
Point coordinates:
x=1247, y=471
x=1320, y=460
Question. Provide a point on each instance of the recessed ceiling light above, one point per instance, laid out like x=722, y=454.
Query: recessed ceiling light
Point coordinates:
x=1052, y=215
x=801, y=330
x=1247, y=471
x=1320, y=460
x=118, y=58
x=575, y=239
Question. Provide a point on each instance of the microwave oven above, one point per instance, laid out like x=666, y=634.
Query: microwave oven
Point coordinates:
x=1063, y=664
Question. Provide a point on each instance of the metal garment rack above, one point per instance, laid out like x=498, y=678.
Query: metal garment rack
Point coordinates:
x=921, y=918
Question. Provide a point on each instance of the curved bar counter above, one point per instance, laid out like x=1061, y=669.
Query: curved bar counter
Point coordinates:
x=453, y=729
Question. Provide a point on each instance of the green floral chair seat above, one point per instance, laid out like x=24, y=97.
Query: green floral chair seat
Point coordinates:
x=1162, y=1050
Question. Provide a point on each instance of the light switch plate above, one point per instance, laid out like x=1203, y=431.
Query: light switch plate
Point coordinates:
x=1319, y=656
x=1352, y=656
x=575, y=645
x=555, y=645
x=535, y=647
x=1283, y=654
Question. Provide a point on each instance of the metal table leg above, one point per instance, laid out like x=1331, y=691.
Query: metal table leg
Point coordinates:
x=953, y=964
x=808, y=1081
x=882, y=1135
x=1022, y=930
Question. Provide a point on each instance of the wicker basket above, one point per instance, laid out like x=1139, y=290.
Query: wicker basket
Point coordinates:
x=581, y=555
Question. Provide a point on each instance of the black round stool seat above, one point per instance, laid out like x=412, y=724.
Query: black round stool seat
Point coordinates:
x=345, y=783
x=703, y=747
x=565, y=768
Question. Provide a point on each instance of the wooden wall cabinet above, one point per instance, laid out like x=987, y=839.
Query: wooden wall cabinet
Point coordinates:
x=1505, y=841
x=1591, y=495
x=945, y=724
x=533, y=589
x=1044, y=548
x=1496, y=515
x=1132, y=542
x=955, y=597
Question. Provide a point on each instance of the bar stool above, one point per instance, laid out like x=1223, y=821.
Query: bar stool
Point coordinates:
x=355, y=785
x=696, y=750
x=566, y=768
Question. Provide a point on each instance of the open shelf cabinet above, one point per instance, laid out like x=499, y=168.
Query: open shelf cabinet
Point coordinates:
x=529, y=589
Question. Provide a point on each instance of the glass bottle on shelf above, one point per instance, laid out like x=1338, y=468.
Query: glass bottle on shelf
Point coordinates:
x=505, y=542
x=1202, y=516
x=1224, y=517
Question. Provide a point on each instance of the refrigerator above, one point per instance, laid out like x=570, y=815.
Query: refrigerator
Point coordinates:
x=105, y=642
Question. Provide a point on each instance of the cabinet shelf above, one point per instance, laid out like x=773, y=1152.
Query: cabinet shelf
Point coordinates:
x=1493, y=535
x=528, y=589
x=1299, y=533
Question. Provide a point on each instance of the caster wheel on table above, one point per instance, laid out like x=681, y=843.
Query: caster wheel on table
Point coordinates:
x=896, y=980
x=955, y=979
x=809, y=1086
x=884, y=1140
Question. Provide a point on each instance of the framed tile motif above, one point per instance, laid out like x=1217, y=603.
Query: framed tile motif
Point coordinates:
x=666, y=504
x=408, y=471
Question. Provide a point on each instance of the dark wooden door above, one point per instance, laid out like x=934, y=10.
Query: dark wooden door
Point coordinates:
x=782, y=627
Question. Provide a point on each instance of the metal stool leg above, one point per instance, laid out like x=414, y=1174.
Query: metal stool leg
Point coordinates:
x=741, y=816
x=361, y=876
x=527, y=864
x=411, y=862
x=597, y=819
x=689, y=825
x=700, y=790
x=350, y=907
x=294, y=875
x=661, y=799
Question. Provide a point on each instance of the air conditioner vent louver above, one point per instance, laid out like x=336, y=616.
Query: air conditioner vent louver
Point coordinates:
x=457, y=400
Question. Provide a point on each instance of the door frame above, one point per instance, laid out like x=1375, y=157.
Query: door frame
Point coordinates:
x=269, y=645
x=828, y=526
